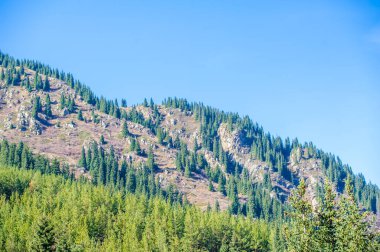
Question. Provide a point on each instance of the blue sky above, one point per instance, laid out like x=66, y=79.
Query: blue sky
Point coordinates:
x=306, y=69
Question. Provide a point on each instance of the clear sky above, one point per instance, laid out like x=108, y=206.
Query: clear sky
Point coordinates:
x=306, y=69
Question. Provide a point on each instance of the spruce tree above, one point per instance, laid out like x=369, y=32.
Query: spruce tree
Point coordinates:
x=46, y=84
x=137, y=147
x=160, y=136
x=187, y=169
x=151, y=103
x=101, y=140
x=124, y=129
x=80, y=115
x=83, y=161
x=124, y=103
x=71, y=105
x=300, y=236
x=234, y=207
x=222, y=184
x=217, y=206
x=55, y=167
x=145, y=103
x=150, y=161
x=327, y=220
x=62, y=101
x=44, y=236
x=27, y=84
x=37, y=81
x=36, y=107
x=178, y=163
x=210, y=186
x=353, y=226
x=131, y=182
x=132, y=146
x=48, y=111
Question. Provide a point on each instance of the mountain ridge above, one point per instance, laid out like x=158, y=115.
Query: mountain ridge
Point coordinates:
x=196, y=148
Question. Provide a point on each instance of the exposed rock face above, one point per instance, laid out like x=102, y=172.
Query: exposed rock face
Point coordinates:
x=310, y=170
x=104, y=124
x=35, y=126
x=8, y=122
x=70, y=125
x=232, y=141
x=23, y=118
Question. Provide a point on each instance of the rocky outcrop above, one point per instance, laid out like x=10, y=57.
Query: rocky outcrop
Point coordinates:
x=23, y=118
x=35, y=127
x=310, y=170
x=232, y=141
x=8, y=124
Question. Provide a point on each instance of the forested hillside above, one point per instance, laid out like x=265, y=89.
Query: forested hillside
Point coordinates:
x=227, y=183
x=57, y=213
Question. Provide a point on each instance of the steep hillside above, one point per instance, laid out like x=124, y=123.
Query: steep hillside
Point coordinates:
x=63, y=135
x=206, y=154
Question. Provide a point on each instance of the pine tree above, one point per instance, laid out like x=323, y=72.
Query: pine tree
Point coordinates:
x=124, y=130
x=210, y=186
x=124, y=103
x=301, y=235
x=234, y=207
x=150, y=161
x=145, y=103
x=187, y=169
x=71, y=105
x=55, y=167
x=101, y=140
x=138, y=148
x=48, y=111
x=44, y=237
x=221, y=184
x=327, y=220
x=27, y=84
x=46, y=85
x=200, y=161
x=353, y=228
x=208, y=209
x=80, y=115
x=83, y=161
x=217, y=206
x=25, y=159
x=160, y=136
x=251, y=204
x=37, y=81
x=195, y=146
x=117, y=113
x=131, y=182
x=178, y=163
x=151, y=103
x=36, y=107
x=62, y=101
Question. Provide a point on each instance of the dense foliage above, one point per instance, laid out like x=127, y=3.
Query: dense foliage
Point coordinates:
x=49, y=213
x=337, y=225
x=42, y=212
